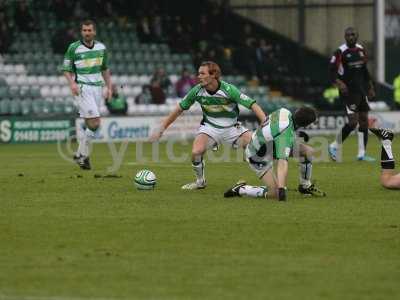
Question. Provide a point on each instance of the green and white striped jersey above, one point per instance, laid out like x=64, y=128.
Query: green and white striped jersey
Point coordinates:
x=279, y=129
x=221, y=108
x=86, y=63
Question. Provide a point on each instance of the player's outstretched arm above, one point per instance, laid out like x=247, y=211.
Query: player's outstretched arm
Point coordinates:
x=166, y=123
x=259, y=113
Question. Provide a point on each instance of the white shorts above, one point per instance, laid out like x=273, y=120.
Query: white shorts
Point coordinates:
x=89, y=100
x=228, y=135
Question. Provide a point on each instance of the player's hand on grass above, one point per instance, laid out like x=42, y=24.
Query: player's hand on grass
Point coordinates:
x=74, y=89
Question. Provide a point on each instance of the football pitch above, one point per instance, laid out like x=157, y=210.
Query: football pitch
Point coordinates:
x=72, y=234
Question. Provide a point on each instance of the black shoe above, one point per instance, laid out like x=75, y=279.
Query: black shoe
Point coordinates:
x=234, y=191
x=83, y=162
x=382, y=133
x=86, y=164
x=312, y=190
x=76, y=158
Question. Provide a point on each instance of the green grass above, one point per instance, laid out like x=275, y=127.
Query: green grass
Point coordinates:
x=63, y=236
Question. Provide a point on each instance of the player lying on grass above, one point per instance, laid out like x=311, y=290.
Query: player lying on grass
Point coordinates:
x=389, y=178
x=219, y=101
x=274, y=140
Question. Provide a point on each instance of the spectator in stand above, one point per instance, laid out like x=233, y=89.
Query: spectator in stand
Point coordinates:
x=62, y=9
x=159, y=86
x=95, y=8
x=157, y=29
x=211, y=55
x=79, y=12
x=145, y=96
x=262, y=59
x=184, y=84
x=5, y=33
x=157, y=92
x=117, y=105
x=109, y=11
x=200, y=53
x=246, y=59
x=226, y=62
x=247, y=35
x=23, y=18
x=161, y=78
x=180, y=40
x=143, y=30
x=203, y=29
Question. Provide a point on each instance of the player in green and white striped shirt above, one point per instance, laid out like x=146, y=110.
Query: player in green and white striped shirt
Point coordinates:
x=275, y=140
x=219, y=101
x=85, y=67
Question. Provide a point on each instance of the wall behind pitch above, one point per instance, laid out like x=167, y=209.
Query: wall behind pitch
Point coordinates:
x=324, y=25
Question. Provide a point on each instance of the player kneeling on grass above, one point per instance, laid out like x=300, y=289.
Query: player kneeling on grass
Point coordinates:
x=275, y=140
x=389, y=179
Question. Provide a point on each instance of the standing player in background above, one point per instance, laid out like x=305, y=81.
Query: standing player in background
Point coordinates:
x=348, y=67
x=389, y=179
x=274, y=140
x=219, y=101
x=85, y=67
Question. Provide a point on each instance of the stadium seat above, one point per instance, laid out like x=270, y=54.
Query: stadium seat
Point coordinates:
x=157, y=57
x=5, y=106
x=42, y=80
x=53, y=80
x=3, y=91
x=15, y=107
x=138, y=56
x=21, y=80
x=144, y=79
x=20, y=69
x=32, y=80
x=26, y=106
x=45, y=91
x=11, y=79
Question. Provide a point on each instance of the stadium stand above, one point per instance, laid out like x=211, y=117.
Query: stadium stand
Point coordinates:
x=32, y=83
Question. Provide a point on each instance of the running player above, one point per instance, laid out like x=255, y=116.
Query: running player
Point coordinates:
x=349, y=73
x=219, y=101
x=275, y=140
x=389, y=178
x=85, y=67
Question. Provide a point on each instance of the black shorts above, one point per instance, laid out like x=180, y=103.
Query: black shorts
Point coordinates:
x=355, y=102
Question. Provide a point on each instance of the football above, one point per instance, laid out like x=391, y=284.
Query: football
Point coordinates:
x=145, y=180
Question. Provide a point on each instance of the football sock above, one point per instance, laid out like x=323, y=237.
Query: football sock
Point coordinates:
x=387, y=159
x=253, y=191
x=84, y=141
x=344, y=133
x=362, y=141
x=198, y=168
x=305, y=168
